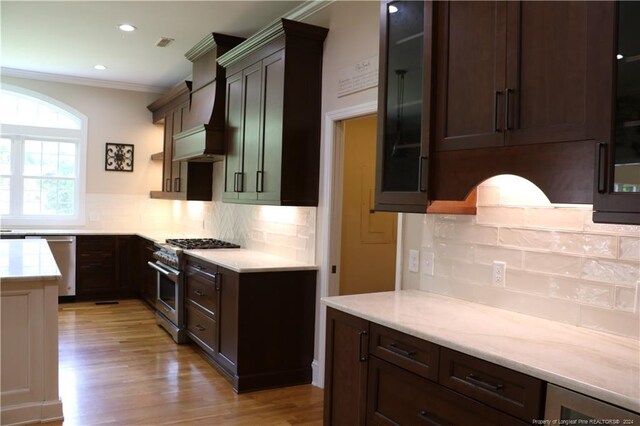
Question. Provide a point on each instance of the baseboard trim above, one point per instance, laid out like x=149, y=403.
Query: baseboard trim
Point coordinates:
x=32, y=412
x=316, y=378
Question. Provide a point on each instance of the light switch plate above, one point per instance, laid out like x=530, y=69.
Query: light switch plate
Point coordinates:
x=414, y=259
x=428, y=259
x=499, y=278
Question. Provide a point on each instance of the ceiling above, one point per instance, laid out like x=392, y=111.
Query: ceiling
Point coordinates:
x=69, y=38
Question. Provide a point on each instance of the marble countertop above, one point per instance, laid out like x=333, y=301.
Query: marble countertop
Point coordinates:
x=243, y=260
x=23, y=260
x=238, y=260
x=600, y=365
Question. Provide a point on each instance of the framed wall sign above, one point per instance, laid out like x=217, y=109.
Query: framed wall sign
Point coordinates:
x=118, y=157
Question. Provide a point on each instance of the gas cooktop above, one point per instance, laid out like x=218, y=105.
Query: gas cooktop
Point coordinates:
x=200, y=243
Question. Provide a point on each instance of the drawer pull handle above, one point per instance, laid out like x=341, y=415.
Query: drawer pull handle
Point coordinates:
x=199, y=327
x=395, y=349
x=198, y=293
x=199, y=267
x=429, y=418
x=471, y=378
x=362, y=336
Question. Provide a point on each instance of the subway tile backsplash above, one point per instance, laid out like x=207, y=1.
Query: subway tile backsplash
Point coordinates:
x=560, y=265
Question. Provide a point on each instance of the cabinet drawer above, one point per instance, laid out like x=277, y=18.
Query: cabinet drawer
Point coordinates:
x=202, y=291
x=202, y=327
x=507, y=390
x=396, y=396
x=411, y=353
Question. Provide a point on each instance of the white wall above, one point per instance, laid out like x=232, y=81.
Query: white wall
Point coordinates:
x=560, y=265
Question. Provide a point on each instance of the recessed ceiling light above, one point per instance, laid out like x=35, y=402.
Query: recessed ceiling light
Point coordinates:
x=100, y=67
x=393, y=9
x=126, y=27
x=619, y=56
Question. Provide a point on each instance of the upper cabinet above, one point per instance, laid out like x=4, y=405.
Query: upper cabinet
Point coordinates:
x=272, y=131
x=404, y=104
x=617, y=190
x=519, y=92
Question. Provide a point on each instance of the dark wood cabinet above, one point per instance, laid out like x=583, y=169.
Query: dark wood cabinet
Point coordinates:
x=617, y=188
x=518, y=92
x=231, y=315
x=380, y=376
x=404, y=102
x=272, y=133
x=181, y=180
x=103, y=267
x=346, y=361
x=147, y=277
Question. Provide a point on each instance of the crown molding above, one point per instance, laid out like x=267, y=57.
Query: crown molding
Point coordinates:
x=271, y=31
x=58, y=78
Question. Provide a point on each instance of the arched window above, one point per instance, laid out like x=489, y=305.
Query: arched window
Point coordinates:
x=42, y=160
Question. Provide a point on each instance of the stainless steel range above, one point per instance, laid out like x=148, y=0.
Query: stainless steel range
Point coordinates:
x=169, y=266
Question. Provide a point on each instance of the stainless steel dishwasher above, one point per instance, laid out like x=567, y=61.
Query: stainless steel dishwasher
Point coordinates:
x=63, y=248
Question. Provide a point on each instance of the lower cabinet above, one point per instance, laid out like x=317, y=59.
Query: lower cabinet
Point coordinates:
x=103, y=267
x=146, y=277
x=257, y=327
x=379, y=376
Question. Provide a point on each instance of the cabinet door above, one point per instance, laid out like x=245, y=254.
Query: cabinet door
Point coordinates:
x=404, y=100
x=270, y=148
x=167, y=162
x=96, y=266
x=125, y=264
x=233, y=134
x=617, y=188
x=552, y=66
x=471, y=74
x=345, y=382
x=179, y=168
x=251, y=129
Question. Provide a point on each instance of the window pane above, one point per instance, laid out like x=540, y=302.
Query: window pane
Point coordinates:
x=48, y=196
x=5, y=195
x=5, y=156
x=49, y=158
x=16, y=108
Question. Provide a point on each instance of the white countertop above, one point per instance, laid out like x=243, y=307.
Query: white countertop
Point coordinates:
x=601, y=365
x=243, y=260
x=22, y=260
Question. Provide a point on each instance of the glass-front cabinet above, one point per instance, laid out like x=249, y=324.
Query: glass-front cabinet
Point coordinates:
x=617, y=197
x=404, y=106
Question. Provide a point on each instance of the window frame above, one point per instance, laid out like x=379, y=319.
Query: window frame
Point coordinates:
x=17, y=134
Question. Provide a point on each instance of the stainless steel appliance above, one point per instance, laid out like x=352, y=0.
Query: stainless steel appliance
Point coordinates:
x=169, y=267
x=63, y=248
x=567, y=407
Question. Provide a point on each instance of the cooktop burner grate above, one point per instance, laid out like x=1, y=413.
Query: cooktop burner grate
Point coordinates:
x=200, y=243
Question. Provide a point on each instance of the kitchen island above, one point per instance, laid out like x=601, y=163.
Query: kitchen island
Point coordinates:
x=602, y=366
x=29, y=297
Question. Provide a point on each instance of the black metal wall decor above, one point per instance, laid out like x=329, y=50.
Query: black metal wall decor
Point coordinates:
x=118, y=157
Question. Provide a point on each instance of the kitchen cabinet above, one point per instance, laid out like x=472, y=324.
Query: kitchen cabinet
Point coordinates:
x=519, y=92
x=404, y=102
x=231, y=315
x=376, y=375
x=181, y=180
x=617, y=189
x=272, y=133
x=103, y=267
x=345, y=380
x=146, y=277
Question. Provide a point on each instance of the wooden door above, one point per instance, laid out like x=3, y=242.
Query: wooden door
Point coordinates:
x=471, y=74
x=233, y=135
x=368, y=237
x=345, y=383
x=251, y=123
x=552, y=66
x=268, y=175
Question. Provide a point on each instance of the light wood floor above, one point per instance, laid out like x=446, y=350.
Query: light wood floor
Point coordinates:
x=118, y=367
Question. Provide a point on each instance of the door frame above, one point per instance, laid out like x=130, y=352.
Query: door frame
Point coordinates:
x=329, y=218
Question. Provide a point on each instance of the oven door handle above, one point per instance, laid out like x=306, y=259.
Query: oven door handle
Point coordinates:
x=173, y=277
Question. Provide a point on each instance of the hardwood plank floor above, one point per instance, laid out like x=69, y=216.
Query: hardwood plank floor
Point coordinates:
x=117, y=367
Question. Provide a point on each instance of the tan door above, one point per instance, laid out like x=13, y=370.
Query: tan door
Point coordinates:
x=368, y=240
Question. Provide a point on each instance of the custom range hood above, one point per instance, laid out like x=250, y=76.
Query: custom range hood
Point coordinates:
x=203, y=136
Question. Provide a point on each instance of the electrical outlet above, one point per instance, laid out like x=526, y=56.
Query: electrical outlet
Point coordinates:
x=428, y=259
x=499, y=273
x=414, y=256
